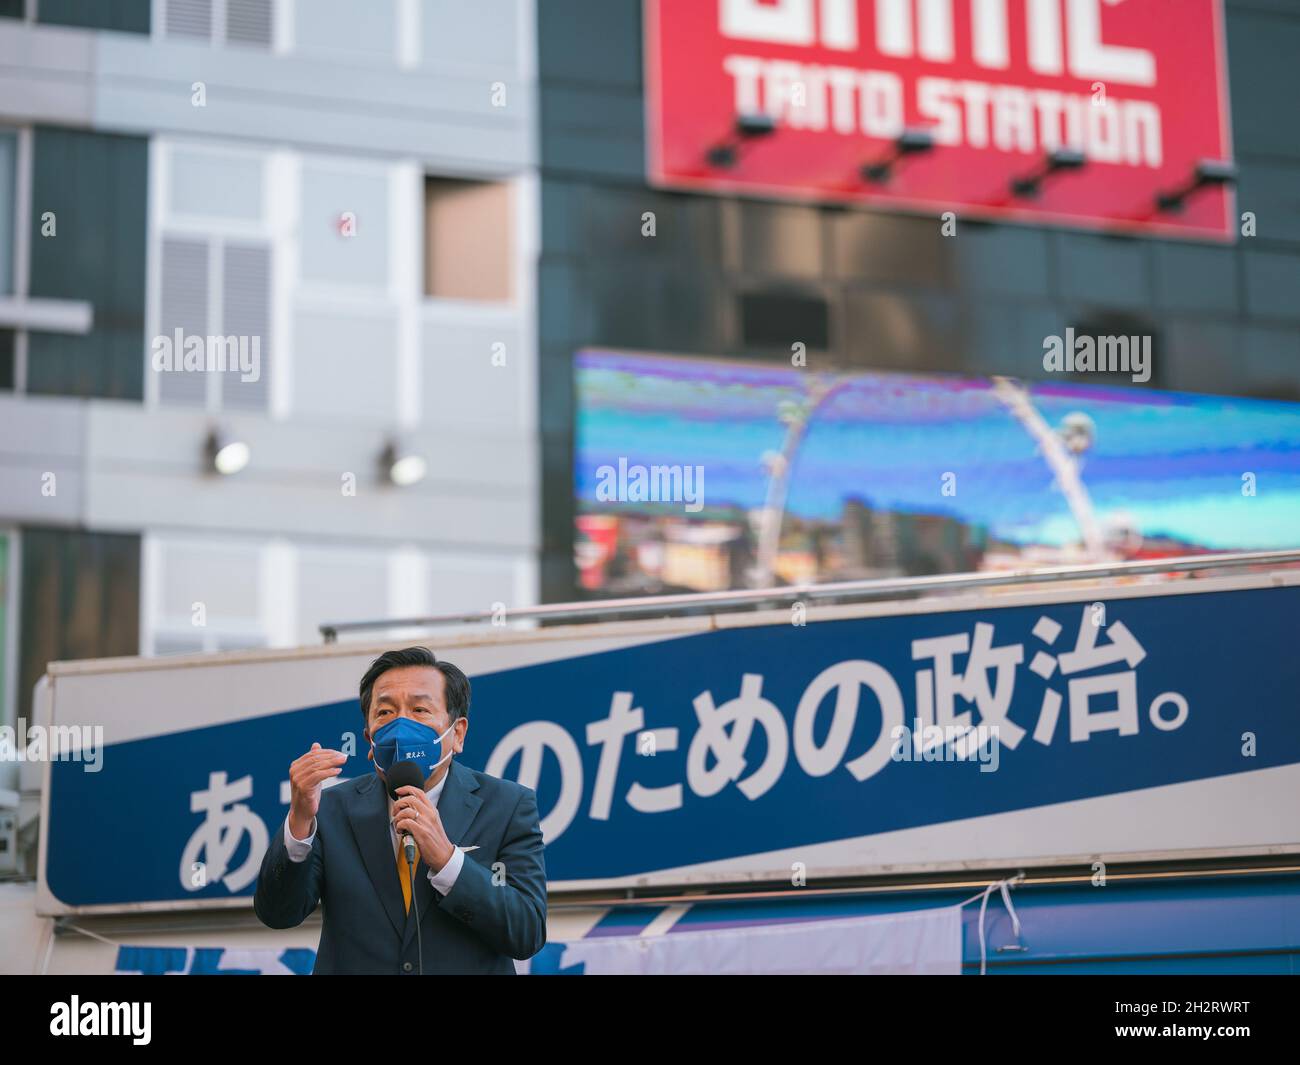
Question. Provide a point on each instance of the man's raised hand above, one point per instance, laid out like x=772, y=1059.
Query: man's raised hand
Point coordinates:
x=306, y=777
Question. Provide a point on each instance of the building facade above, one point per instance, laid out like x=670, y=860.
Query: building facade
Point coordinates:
x=297, y=237
x=412, y=214
x=868, y=289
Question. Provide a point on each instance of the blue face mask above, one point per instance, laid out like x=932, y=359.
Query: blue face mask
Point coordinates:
x=403, y=740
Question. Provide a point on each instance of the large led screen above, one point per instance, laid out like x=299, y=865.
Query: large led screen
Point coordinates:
x=704, y=474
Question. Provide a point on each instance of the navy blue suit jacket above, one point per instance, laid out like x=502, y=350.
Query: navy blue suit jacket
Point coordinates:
x=478, y=927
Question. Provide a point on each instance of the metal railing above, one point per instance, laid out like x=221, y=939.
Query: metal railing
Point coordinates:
x=840, y=591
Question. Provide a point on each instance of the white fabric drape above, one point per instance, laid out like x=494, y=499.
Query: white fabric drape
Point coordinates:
x=919, y=941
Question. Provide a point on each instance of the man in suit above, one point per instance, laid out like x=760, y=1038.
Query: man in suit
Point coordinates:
x=478, y=895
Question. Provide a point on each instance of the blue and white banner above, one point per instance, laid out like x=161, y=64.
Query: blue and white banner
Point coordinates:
x=848, y=741
x=213, y=961
x=917, y=942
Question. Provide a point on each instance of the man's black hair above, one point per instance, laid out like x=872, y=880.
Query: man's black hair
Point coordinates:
x=454, y=681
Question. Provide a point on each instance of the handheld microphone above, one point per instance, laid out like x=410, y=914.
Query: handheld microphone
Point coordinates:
x=399, y=776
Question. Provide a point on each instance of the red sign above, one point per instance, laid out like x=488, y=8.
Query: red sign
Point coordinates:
x=1108, y=114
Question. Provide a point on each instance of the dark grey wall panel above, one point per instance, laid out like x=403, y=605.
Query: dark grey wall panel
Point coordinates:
x=1007, y=260
x=664, y=310
x=1106, y=271
x=611, y=225
x=1271, y=192
x=1005, y=337
x=1262, y=50
x=1197, y=278
x=1273, y=284
x=906, y=331
x=97, y=187
x=598, y=43
x=1271, y=357
x=778, y=240
x=592, y=110
x=890, y=249
x=1201, y=365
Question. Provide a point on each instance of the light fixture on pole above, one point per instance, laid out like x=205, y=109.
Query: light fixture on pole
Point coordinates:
x=224, y=454
x=909, y=142
x=725, y=153
x=1055, y=162
x=1208, y=173
x=400, y=466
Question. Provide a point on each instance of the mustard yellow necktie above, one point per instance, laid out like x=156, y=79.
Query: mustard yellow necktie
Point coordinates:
x=404, y=875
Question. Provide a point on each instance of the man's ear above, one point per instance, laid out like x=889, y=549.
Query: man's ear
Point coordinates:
x=365, y=732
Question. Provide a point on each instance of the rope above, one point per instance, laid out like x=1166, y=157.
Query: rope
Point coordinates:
x=983, y=896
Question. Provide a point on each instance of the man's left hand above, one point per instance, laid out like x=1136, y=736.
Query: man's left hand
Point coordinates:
x=414, y=813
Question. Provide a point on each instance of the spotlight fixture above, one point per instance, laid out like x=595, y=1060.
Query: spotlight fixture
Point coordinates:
x=1208, y=172
x=909, y=142
x=725, y=153
x=224, y=454
x=1031, y=184
x=400, y=466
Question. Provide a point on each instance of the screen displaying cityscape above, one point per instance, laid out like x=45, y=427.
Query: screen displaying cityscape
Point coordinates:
x=696, y=474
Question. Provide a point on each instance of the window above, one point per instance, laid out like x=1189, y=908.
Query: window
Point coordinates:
x=8, y=208
x=80, y=311
x=121, y=16
x=6, y=360
x=341, y=584
x=219, y=291
x=345, y=225
x=357, y=281
x=213, y=257
x=205, y=595
x=348, y=29
x=8, y=231
x=78, y=597
x=468, y=228
x=7, y=599
x=452, y=32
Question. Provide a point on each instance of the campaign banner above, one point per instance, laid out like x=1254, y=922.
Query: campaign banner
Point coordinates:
x=916, y=942
x=950, y=106
x=213, y=961
x=1099, y=725
x=919, y=942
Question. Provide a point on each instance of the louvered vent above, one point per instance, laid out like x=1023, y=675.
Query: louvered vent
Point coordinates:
x=184, y=306
x=248, y=22
x=246, y=284
x=189, y=18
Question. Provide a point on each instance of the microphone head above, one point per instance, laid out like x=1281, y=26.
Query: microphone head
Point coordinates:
x=400, y=774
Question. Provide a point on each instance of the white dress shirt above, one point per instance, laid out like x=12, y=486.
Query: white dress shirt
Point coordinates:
x=442, y=880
